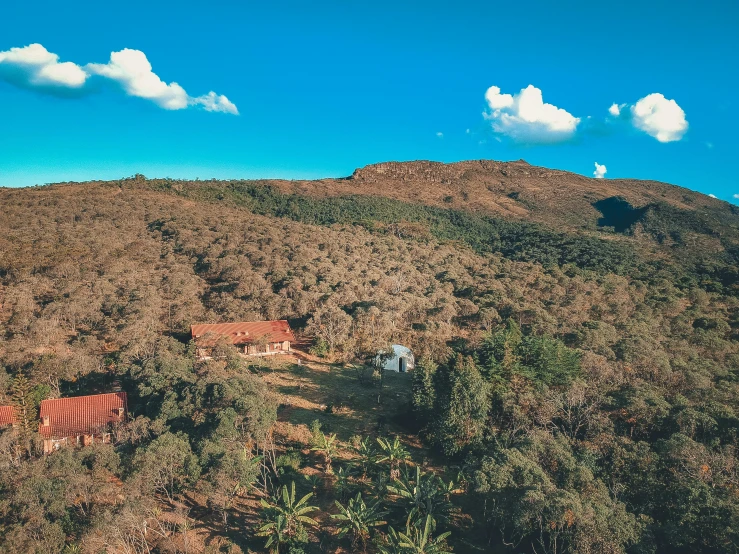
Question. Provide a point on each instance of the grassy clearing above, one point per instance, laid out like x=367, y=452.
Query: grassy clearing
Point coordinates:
x=332, y=394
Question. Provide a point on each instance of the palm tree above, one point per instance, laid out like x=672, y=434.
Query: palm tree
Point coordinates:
x=425, y=493
x=393, y=453
x=286, y=517
x=416, y=541
x=358, y=518
x=326, y=445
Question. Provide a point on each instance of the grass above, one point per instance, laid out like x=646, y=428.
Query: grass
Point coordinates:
x=304, y=393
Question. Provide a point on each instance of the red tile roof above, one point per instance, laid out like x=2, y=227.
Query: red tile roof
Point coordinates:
x=81, y=415
x=244, y=332
x=7, y=415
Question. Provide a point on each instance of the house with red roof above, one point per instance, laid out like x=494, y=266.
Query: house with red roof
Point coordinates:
x=80, y=420
x=253, y=338
x=7, y=416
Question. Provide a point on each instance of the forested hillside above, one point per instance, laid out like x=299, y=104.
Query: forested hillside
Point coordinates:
x=577, y=348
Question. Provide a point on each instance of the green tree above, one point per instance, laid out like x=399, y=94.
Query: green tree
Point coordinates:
x=20, y=393
x=234, y=473
x=424, y=391
x=463, y=413
x=167, y=465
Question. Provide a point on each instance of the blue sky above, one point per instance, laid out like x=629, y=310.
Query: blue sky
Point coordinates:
x=324, y=87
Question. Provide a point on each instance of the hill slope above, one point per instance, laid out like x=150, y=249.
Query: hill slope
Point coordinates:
x=498, y=206
x=577, y=344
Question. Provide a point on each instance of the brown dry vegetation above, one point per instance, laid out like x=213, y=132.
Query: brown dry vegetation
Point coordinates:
x=100, y=282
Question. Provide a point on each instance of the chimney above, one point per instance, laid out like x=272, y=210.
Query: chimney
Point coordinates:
x=45, y=421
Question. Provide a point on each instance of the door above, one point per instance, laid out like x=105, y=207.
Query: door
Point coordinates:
x=401, y=365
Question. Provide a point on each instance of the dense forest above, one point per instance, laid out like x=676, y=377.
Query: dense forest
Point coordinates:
x=575, y=388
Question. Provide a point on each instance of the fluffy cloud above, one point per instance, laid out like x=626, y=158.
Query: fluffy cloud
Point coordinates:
x=600, y=171
x=615, y=109
x=659, y=117
x=213, y=102
x=736, y=197
x=525, y=117
x=34, y=66
x=132, y=70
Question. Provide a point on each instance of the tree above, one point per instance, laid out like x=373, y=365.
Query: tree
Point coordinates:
x=424, y=391
x=463, y=416
x=20, y=393
x=358, y=519
x=233, y=474
x=167, y=464
x=330, y=324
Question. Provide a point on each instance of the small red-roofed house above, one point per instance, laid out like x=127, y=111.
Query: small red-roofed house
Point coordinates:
x=80, y=420
x=7, y=416
x=253, y=338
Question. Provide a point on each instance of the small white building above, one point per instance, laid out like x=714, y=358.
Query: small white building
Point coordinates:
x=401, y=361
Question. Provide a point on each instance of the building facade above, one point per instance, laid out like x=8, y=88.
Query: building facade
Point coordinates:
x=251, y=338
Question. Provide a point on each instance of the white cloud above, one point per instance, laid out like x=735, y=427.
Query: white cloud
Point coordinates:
x=659, y=117
x=600, y=171
x=615, y=109
x=440, y=134
x=712, y=195
x=34, y=65
x=525, y=117
x=213, y=102
x=132, y=70
x=736, y=197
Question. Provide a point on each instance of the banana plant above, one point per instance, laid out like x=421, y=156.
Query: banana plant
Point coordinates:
x=285, y=516
x=357, y=519
x=342, y=484
x=425, y=494
x=393, y=453
x=276, y=531
x=416, y=540
x=326, y=445
x=366, y=454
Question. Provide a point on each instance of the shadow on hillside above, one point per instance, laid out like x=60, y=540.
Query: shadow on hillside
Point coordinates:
x=618, y=213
